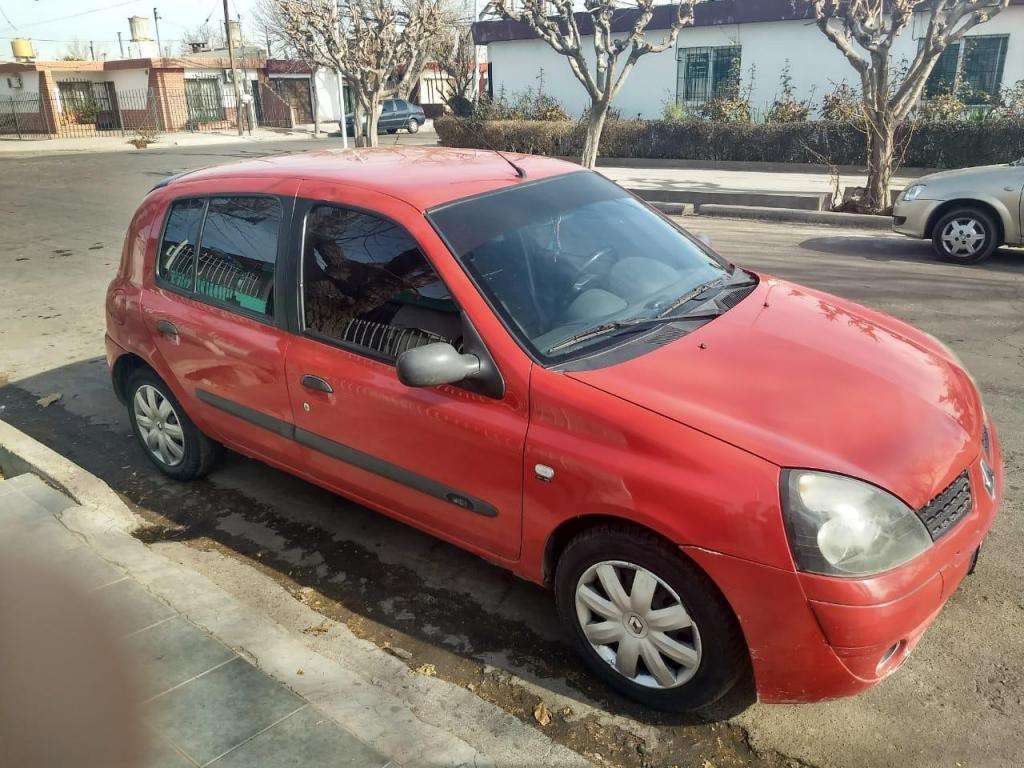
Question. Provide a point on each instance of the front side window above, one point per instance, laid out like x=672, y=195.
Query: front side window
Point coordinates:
x=367, y=285
x=238, y=251
x=176, y=263
x=576, y=254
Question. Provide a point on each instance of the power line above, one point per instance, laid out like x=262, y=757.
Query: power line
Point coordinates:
x=72, y=15
x=7, y=18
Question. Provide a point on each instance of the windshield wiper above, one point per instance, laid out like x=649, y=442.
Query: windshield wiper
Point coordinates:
x=636, y=322
x=692, y=294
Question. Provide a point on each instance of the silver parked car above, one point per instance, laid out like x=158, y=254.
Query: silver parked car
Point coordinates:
x=966, y=213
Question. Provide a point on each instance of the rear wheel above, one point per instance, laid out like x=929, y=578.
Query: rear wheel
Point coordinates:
x=413, y=125
x=167, y=435
x=648, y=621
x=965, y=235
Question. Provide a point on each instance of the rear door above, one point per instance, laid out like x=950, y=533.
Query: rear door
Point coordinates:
x=444, y=458
x=387, y=115
x=212, y=313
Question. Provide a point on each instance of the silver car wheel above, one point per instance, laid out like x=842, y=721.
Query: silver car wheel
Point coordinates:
x=963, y=236
x=637, y=624
x=158, y=425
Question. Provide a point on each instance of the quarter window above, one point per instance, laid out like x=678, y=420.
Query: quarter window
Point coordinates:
x=366, y=284
x=238, y=252
x=176, y=264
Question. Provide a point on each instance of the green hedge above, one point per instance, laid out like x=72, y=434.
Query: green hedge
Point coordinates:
x=953, y=144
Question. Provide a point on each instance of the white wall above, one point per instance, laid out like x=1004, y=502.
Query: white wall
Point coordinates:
x=815, y=63
x=29, y=89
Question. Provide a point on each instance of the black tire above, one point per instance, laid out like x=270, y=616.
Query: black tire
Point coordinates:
x=724, y=656
x=413, y=126
x=961, y=252
x=200, y=452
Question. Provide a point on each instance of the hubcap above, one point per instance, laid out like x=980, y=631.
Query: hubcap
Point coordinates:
x=637, y=624
x=963, y=236
x=158, y=425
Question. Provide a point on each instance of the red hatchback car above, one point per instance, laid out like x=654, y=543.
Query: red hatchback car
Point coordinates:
x=714, y=469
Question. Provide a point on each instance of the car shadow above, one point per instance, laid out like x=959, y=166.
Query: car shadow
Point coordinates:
x=875, y=248
x=407, y=588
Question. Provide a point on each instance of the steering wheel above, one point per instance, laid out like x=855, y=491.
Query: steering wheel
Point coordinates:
x=584, y=277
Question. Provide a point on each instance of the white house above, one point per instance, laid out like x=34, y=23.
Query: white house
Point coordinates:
x=755, y=38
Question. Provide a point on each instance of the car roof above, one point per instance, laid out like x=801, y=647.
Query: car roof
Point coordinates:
x=424, y=177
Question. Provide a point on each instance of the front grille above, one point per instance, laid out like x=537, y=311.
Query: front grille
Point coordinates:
x=948, y=508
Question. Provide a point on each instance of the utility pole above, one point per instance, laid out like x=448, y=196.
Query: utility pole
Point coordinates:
x=234, y=72
x=120, y=44
x=92, y=51
x=156, y=23
x=476, y=54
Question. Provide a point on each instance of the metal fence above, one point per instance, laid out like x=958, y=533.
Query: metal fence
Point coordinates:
x=82, y=108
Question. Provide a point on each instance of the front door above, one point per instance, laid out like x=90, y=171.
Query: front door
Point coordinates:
x=295, y=93
x=443, y=458
x=212, y=315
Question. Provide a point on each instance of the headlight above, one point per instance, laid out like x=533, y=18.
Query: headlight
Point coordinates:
x=839, y=526
x=911, y=192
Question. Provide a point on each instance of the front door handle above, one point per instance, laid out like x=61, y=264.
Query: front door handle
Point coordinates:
x=316, y=383
x=166, y=328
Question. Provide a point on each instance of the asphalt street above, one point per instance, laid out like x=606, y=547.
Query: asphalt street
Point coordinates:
x=958, y=701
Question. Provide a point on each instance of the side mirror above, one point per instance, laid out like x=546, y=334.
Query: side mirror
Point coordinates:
x=434, y=364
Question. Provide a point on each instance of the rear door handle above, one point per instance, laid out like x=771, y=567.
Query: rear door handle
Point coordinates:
x=166, y=327
x=316, y=383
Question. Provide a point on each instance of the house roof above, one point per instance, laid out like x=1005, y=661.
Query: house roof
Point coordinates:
x=182, y=62
x=709, y=13
x=705, y=14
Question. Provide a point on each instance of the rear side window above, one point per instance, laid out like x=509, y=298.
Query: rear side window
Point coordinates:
x=238, y=252
x=234, y=263
x=367, y=285
x=176, y=264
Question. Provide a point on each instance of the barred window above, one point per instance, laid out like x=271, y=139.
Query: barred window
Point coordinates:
x=972, y=68
x=706, y=73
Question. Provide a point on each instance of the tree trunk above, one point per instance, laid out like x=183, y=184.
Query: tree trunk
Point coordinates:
x=372, y=116
x=598, y=113
x=357, y=124
x=881, y=152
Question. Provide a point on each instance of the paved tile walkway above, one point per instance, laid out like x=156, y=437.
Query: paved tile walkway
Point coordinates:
x=204, y=705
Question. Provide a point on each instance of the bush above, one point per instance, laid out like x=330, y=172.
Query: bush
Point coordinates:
x=842, y=104
x=949, y=144
x=787, y=108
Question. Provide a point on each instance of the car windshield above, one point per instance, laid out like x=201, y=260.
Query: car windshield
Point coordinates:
x=566, y=256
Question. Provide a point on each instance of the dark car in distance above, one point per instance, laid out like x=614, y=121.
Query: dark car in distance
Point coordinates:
x=395, y=114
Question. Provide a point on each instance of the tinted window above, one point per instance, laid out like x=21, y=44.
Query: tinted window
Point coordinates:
x=565, y=255
x=368, y=285
x=176, y=264
x=389, y=106
x=238, y=251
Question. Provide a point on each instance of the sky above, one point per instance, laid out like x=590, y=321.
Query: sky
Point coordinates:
x=53, y=25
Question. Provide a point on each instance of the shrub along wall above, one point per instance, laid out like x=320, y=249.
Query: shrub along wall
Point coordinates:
x=952, y=144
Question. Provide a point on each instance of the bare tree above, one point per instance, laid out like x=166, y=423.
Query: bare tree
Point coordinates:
x=864, y=31
x=617, y=27
x=455, y=56
x=76, y=50
x=379, y=46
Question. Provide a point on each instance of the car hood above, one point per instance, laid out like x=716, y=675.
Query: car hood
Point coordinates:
x=805, y=379
x=960, y=174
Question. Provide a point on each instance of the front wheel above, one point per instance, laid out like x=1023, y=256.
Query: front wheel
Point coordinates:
x=413, y=126
x=965, y=235
x=647, y=621
x=167, y=435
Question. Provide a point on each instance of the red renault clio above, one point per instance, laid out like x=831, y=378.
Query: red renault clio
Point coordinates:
x=714, y=469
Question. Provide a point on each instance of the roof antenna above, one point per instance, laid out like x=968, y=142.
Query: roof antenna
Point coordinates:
x=520, y=171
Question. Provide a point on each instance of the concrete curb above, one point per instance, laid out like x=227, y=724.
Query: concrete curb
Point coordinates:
x=830, y=218
x=411, y=719
x=808, y=201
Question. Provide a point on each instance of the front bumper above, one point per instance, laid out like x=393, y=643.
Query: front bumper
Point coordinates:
x=815, y=637
x=911, y=218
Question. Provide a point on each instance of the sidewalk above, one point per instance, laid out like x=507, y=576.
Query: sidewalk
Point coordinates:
x=203, y=703
x=218, y=681
x=45, y=146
